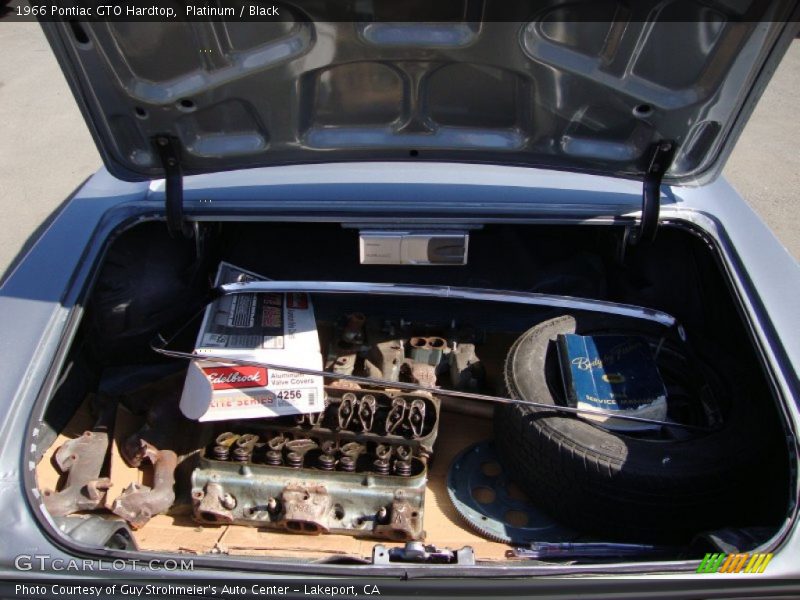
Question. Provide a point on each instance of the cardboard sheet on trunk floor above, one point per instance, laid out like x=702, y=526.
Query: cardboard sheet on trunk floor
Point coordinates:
x=177, y=532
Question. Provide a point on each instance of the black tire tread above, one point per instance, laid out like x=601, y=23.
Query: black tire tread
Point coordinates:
x=557, y=462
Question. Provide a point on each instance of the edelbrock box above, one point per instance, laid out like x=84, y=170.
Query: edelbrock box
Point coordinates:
x=273, y=328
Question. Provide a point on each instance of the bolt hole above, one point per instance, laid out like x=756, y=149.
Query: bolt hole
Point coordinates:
x=140, y=112
x=338, y=512
x=483, y=494
x=186, y=105
x=413, y=153
x=516, y=518
x=642, y=110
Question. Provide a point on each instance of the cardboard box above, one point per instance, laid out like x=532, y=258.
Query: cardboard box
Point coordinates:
x=273, y=328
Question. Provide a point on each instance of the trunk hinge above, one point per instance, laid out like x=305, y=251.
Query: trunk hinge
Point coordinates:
x=661, y=154
x=168, y=148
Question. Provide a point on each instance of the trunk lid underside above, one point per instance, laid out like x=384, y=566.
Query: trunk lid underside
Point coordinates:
x=582, y=87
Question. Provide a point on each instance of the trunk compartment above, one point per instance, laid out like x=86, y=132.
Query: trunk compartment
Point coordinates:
x=114, y=385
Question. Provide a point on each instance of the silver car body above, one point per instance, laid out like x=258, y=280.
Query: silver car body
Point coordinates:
x=41, y=301
x=42, y=298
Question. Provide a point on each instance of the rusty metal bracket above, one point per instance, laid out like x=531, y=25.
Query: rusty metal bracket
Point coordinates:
x=82, y=459
x=139, y=503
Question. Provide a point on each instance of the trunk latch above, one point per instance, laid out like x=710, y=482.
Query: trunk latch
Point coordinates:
x=661, y=154
x=417, y=552
x=168, y=148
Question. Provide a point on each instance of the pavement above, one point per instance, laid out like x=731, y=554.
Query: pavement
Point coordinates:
x=47, y=151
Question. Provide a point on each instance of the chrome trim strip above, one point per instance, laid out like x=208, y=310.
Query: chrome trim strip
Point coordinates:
x=461, y=293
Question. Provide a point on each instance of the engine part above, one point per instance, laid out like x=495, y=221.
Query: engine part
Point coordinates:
x=466, y=370
x=480, y=491
x=165, y=426
x=139, y=503
x=420, y=373
x=345, y=474
x=360, y=416
x=650, y=487
x=213, y=504
x=384, y=360
x=346, y=410
x=342, y=362
x=158, y=442
x=354, y=329
x=427, y=350
x=366, y=412
x=81, y=459
x=310, y=499
x=417, y=552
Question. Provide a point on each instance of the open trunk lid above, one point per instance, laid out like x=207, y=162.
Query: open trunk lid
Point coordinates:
x=587, y=87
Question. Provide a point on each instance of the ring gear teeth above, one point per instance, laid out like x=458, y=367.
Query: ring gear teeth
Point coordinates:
x=476, y=527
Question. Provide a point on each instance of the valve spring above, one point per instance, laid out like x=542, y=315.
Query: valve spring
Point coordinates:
x=383, y=451
x=347, y=463
x=402, y=468
x=241, y=454
x=326, y=462
x=294, y=460
x=221, y=452
x=274, y=458
x=381, y=466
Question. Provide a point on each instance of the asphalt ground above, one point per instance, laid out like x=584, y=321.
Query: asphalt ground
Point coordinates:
x=46, y=150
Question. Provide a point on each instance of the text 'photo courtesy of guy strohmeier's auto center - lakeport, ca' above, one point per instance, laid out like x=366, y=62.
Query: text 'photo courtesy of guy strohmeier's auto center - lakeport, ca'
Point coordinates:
x=402, y=299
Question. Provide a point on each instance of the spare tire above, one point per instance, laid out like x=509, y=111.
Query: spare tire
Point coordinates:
x=623, y=486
